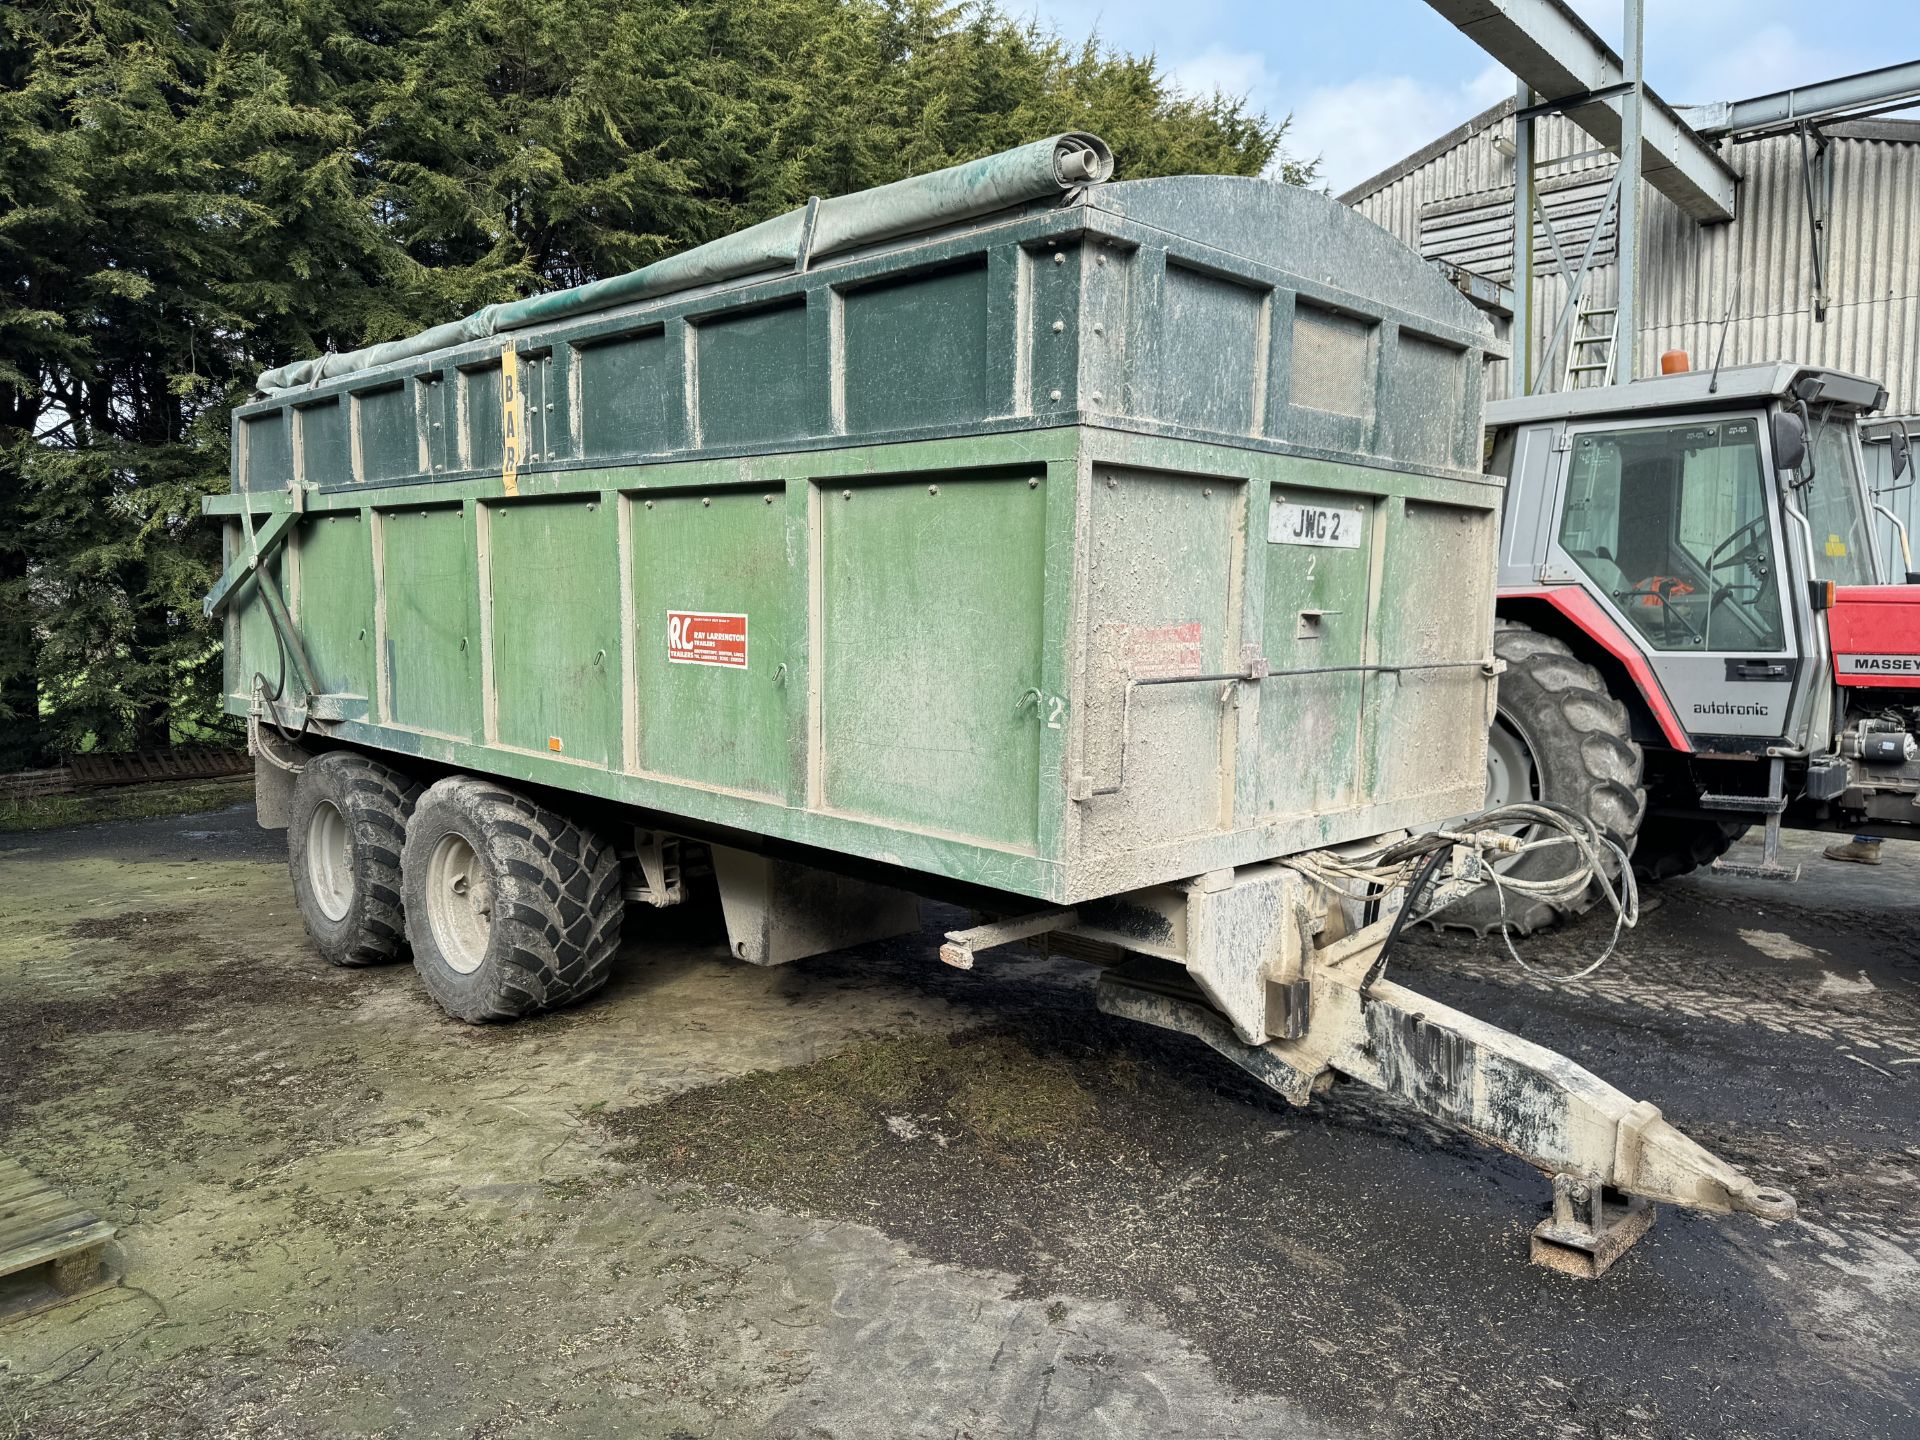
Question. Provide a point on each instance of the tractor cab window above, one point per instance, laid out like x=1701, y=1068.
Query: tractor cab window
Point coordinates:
x=1671, y=523
x=1832, y=503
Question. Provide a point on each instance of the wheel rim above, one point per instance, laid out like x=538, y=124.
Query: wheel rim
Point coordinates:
x=330, y=861
x=1511, y=775
x=459, y=903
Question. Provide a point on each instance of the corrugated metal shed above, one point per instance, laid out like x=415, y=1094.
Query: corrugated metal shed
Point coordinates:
x=1692, y=276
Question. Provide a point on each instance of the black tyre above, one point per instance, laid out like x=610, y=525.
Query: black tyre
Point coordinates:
x=511, y=908
x=1671, y=846
x=345, y=831
x=1559, y=737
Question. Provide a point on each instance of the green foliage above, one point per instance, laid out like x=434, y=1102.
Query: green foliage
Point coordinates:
x=193, y=190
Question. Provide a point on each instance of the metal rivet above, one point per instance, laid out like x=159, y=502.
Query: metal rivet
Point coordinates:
x=1112, y=484
x=769, y=499
x=705, y=501
x=846, y=494
x=1033, y=484
x=1058, y=326
x=1207, y=491
x=1053, y=394
x=649, y=504
x=933, y=489
x=1058, y=258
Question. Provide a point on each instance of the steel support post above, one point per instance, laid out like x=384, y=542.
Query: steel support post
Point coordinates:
x=1626, y=320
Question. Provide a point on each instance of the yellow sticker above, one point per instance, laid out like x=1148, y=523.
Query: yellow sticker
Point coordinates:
x=553, y=742
x=512, y=421
x=1836, y=547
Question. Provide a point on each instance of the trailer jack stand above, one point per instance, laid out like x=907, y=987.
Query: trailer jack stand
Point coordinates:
x=1589, y=1229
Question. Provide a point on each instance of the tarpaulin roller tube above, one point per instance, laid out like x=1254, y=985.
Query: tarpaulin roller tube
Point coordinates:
x=1046, y=167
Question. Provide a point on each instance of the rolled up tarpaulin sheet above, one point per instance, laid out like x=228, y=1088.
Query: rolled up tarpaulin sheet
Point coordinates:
x=922, y=202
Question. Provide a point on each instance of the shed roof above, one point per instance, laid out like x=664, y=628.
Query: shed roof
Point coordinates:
x=1905, y=132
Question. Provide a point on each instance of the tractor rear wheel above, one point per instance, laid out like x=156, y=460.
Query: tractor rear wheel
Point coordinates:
x=1558, y=737
x=1670, y=846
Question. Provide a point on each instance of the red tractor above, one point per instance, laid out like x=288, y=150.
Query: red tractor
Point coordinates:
x=1698, y=631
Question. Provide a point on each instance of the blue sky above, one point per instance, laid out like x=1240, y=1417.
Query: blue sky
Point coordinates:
x=1368, y=81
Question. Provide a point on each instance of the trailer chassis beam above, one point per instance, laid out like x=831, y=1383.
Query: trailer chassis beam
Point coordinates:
x=1323, y=1020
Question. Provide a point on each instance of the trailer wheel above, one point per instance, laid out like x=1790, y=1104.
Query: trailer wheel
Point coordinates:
x=1670, y=847
x=511, y=908
x=345, y=830
x=1559, y=736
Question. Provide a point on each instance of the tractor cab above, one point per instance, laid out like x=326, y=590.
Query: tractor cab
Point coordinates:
x=1700, y=516
x=1697, y=628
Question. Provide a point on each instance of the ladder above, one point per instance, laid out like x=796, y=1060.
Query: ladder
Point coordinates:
x=1590, y=351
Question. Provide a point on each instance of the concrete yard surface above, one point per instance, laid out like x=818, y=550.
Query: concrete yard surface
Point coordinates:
x=870, y=1196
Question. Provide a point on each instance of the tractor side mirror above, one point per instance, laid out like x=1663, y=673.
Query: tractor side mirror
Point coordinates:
x=1789, y=440
x=1902, y=450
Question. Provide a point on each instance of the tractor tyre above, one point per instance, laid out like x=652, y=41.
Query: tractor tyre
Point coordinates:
x=345, y=830
x=1560, y=737
x=1670, y=846
x=511, y=907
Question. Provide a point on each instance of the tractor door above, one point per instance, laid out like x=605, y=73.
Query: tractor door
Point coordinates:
x=1674, y=527
x=1827, y=504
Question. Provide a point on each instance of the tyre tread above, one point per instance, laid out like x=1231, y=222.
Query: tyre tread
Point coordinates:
x=380, y=799
x=1568, y=701
x=553, y=947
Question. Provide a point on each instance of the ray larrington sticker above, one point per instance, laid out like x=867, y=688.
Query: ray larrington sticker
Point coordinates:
x=1903, y=667
x=703, y=637
x=1290, y=522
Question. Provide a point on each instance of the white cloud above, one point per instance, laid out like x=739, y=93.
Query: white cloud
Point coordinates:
x=1359, y=128
x=1231, y=72
x=1758, y=63
x=1707, y=50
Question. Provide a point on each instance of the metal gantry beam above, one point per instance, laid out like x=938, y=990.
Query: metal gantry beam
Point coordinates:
x=1555, y=53
x=1825, y=100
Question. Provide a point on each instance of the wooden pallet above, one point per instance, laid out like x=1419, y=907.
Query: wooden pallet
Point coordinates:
x=41, y=1230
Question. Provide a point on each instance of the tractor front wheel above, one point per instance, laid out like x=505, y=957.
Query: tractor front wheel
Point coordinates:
x=1671, y=846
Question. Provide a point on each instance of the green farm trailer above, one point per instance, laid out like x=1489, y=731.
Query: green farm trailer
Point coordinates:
x=1113, y=558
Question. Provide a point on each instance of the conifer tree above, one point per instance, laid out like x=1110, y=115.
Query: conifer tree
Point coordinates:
x=193, y=191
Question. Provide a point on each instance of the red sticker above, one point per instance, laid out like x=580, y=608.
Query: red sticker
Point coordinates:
x=1164, y=649
x=697, y=638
